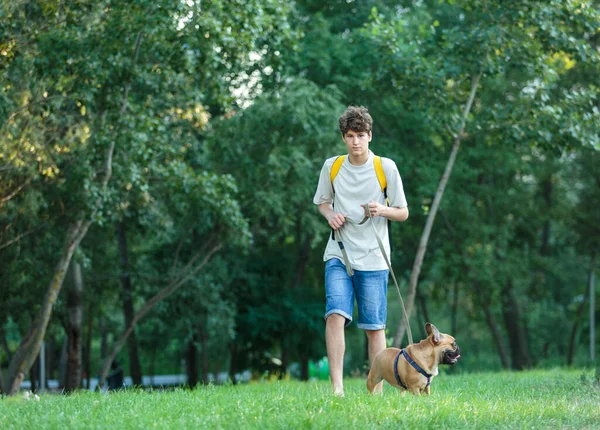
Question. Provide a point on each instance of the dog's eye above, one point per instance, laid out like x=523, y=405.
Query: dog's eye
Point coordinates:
x=453, y=344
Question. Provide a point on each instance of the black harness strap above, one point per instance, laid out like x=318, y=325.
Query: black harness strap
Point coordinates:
x=416, y=366
x=398, y=380
x=413, y=364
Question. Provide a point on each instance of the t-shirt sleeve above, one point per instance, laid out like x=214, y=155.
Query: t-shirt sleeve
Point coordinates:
x=324, y=192
x=395, y=189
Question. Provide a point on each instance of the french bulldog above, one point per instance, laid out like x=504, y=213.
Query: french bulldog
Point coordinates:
x=413, y=368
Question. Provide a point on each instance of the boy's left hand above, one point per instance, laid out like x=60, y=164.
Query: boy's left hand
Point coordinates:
x=377, y=209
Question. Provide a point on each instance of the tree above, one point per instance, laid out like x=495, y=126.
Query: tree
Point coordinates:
x=75, y=328
x=273, y=149
x=491, y=40
x=86, y=106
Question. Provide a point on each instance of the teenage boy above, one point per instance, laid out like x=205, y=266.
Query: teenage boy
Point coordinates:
x=342, y=202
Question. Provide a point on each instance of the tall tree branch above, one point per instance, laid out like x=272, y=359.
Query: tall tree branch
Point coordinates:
x=416, y=269
x=28, y=105
x=148, y=305
x=14, y=192
x=22, y=235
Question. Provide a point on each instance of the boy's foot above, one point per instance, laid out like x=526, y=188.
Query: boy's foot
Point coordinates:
x=338, y=392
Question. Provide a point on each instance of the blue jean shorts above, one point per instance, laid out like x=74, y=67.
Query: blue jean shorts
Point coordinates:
x=369, y=288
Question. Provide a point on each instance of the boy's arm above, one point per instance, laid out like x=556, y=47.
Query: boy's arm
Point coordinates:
x=390, y=212
x=395, y=214
x=398, y=209
x=335, y=219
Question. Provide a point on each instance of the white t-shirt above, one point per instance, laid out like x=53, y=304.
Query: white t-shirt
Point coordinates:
x=354, y=186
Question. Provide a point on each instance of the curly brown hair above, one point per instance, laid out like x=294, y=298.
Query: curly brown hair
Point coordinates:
x=356, y=118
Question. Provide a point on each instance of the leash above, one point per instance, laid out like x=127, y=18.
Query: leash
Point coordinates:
x=338, y=239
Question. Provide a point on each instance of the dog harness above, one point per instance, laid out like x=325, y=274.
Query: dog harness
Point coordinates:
x=413, y=364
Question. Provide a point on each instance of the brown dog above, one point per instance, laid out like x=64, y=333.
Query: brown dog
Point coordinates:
x=413, y=368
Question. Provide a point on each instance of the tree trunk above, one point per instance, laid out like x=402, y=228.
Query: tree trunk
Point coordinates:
x=74, y=329
x=152, y=367
x=204, y=339
x=423, y=304
x=547, y=195
x=453, y=329
x=7, y=351
x=185, y=275
x=87, y=356
x=493, y=326
x=50, y=359
x=514, y=327
x=62, y=363
x=301, y=265
x=421, y=321
x=41, y=365
x=103, y=337
x=578, y=318
x=416, y=269
x=233, y=362
x=191, y=361
x=29, y=348
x=423, y=312
x=33, y=374
x=303, y=257
x=285, y=358
x=127, y=296
x=5, y=346
x=304, y=367
x=592, y=281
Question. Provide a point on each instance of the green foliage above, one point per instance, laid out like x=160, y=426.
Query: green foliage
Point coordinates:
x=541, y=53
x=272, y=150
x=145, y=77
x=504, y=217
x=288, y=134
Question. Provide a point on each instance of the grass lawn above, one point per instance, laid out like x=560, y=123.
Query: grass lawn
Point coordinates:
x=546, y=399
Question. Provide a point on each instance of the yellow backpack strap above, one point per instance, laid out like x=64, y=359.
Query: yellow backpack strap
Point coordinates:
x=380, y=174
x=383, y=184
x=335, y=168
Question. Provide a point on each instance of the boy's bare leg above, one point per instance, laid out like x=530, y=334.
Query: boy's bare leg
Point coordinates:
x=336, y=346
x=377, y=343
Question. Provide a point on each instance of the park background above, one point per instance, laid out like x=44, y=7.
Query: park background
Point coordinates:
x=158, y=162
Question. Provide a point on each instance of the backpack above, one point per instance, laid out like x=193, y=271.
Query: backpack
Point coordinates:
x=335, y=168
x=337, y=164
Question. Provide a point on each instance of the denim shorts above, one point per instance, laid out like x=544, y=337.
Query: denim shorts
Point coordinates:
x=369, y=288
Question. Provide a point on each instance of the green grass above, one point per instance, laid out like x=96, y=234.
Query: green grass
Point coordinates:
x=538, y=399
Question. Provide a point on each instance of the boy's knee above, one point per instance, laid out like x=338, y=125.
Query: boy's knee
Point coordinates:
x=373, y=334
x=336, y=320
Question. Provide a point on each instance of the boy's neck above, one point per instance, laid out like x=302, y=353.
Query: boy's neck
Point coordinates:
x=358, y=161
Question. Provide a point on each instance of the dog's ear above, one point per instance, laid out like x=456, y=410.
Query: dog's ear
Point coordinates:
x=433, y=332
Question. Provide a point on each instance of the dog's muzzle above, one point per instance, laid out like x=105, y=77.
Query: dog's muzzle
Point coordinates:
x=451, y=357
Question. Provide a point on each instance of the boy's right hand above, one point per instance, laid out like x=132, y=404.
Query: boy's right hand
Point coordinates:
x=336, y=220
